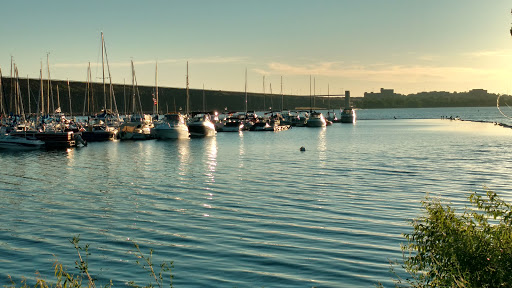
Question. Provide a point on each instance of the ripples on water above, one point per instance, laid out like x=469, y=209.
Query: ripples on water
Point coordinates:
x=244, y=210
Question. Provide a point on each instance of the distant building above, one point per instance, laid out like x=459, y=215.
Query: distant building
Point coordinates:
x=383, y=92
x=478, y=91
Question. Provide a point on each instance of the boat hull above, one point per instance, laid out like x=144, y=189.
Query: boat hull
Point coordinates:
x=98, y=136
x=316, y=123
x=201, y=131
x=171, y=132
x=201, y=128
x=348, y=116
x=233, y=127
x=52, y=139
x=18, y=143
x=139, y=132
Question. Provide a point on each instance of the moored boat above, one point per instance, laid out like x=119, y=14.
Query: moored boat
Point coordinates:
x=316, y=119
x=234, y=123
x=136, y=127
x=19, y=143
x=171, y=127
x=52, y=139
x=348, y=115
x=201, y=126
x=97, y=133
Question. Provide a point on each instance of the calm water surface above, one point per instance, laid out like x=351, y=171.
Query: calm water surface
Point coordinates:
x=248, y=210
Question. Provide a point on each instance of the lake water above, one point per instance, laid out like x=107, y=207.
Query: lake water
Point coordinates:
x=248, y=210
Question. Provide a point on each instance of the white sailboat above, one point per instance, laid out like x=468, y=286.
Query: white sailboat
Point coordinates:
x=102, y=127
x=138, y=125
x=316, y=119
x=200, y=124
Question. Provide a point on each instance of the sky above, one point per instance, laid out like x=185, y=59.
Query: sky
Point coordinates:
x=320, y=47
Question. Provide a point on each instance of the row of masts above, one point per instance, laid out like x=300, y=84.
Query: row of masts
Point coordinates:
x=109, y=102
x=17, y=99
x=135, y=105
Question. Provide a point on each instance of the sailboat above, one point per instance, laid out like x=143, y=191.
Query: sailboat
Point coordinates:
x=103, y=126
x=331, y=115
x=316, y=119
x=138, y=125
x=8, y=141
x=200, y=124
x=172, y=126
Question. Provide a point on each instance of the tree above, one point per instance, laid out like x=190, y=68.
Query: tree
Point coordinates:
x=449, y=249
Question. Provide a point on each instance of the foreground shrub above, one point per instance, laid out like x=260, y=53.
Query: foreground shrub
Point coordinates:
x=449, y=249
x=83, y=278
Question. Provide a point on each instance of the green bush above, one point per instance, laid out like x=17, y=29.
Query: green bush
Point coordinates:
x=64, y=279
x=450, y=249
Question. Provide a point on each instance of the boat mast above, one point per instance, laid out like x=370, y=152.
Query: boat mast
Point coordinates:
x=103, y=70
x=314, y=91
x=12, y=87
x=124, y=96
x=282, y=96
x=187, y=92
x=28, y=93
x=19, y=101
x=40, y=105
x=310, y=96
x=42, y=88
x=204, y=101
x=133, y=88
x=49, y=86
x=87, y=91
x=112, y=96
x=69, y=96
x=271, y=100
x=58, y=100
x=264, y=106
x=2, y=111
x=246, y=91
x=156, y=84
x=16, y=92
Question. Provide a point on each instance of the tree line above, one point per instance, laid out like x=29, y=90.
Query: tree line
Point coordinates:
x=87, y=99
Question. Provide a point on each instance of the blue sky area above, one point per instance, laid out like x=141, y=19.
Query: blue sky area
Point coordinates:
x=361, y=46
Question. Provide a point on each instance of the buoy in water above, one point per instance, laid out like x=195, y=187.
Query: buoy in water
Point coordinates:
x=302, y=148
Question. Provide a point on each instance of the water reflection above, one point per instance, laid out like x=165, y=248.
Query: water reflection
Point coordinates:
x=211, y=153
x=322, y=145
x=183, y=148
x=241, y=151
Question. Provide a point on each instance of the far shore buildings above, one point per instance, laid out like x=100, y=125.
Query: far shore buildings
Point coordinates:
x=383, y=92
x=391, y=92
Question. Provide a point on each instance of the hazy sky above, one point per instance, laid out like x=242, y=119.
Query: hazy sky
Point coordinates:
x=358, y=45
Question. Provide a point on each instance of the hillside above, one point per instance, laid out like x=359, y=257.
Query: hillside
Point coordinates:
x=87, y=101
x=90, y=100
